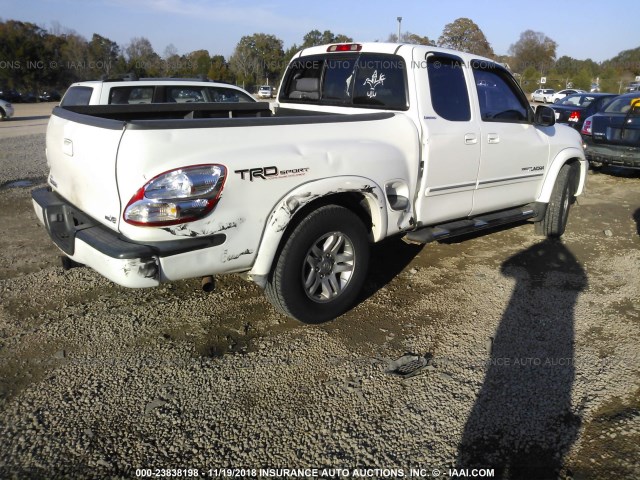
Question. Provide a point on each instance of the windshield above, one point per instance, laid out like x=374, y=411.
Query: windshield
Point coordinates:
x=620, y=105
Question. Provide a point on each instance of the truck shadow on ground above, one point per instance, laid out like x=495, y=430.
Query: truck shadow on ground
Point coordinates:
x=636, y=217
x=522, y=423
x=387, y=260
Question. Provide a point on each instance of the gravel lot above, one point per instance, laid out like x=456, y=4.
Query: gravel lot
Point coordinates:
x=524, y=357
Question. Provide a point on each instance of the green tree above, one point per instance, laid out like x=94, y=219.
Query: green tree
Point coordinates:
x=257, y=58
x=530, y=79
x=627, y=61
x=464, y=35
x=315, y=37
x=582, y=79
x=23, y=49
x=103, y=55
x=199, y=63
x=412, y=38
x=219, y=69
x=568, y=66
x=533, y=49
x=142, y=59
x=173, y=65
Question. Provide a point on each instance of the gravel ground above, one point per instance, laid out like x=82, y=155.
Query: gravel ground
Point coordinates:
x=523, y=358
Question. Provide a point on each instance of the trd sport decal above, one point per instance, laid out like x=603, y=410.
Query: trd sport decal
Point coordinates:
x=270, y=173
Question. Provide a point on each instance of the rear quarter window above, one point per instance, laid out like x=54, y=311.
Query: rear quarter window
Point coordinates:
x=76, y=96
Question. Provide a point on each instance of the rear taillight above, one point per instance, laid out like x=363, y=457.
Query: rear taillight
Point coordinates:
x=574, y=117
x=177, y=196
x=587, y=127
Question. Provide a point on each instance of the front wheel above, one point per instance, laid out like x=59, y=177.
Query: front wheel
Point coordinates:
x=562, y=196
x=321, y=267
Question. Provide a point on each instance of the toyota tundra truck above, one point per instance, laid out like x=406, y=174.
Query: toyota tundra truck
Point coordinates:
x=366, y=141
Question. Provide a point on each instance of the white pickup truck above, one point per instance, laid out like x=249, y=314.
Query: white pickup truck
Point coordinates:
x=367, y=141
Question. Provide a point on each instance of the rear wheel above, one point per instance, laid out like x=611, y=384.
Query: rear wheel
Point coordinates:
x=321, y=267
x=3, y=114
x=562, y=196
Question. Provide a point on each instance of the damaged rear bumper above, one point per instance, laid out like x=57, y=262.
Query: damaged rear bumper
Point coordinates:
x=82, y=239
x=615, y=155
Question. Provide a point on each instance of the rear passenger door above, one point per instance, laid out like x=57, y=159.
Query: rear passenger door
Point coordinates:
x=450, y=139
x=514, y=152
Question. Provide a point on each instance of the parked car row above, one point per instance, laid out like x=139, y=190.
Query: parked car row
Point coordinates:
x=609, y=123
x=13, y=96
x=549, y=95
x=611, y=136
x=574, y=109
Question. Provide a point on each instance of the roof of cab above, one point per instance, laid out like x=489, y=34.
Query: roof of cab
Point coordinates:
x=388, y=48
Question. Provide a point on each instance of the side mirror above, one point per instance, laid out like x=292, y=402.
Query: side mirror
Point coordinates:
x=545, y=116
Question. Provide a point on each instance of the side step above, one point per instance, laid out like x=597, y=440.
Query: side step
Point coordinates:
x=471, y=225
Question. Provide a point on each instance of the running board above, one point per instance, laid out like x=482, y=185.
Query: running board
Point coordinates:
x=471, y=225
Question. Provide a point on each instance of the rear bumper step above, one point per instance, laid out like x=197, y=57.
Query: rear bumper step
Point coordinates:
x=471, y=225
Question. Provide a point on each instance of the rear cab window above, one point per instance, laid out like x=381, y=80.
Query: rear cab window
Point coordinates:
x=350, y=80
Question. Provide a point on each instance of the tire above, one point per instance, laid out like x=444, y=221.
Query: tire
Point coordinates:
x=321, y=266
x=3, y=114
x=562, y=197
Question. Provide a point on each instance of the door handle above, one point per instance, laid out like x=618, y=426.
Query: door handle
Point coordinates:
x=493, y=138
x=470, y=139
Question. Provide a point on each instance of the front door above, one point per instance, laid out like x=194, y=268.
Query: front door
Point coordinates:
x=514, y=151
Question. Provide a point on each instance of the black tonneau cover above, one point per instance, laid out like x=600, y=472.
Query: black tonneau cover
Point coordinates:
x=165, y=111
x=201, y=115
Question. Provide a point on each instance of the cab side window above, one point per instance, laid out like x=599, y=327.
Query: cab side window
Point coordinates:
x=128, y=95
x=498, y=96
x=449, y=94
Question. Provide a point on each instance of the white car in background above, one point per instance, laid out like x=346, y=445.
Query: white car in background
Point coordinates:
x=6, y=110
x=543, y=95
x=153, y=90
x=266, y=91
x=563, y=93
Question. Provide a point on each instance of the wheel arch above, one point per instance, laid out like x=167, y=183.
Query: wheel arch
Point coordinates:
x=568, y=156
x=358, y=194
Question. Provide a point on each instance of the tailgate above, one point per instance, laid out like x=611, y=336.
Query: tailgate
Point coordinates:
x=81, y=153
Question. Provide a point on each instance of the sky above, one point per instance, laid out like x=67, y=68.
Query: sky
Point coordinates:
x=580, y=28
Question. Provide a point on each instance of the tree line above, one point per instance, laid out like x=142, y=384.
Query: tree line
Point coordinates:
x=32, y=58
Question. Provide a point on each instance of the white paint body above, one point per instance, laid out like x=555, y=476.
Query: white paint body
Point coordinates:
x=98, y=170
